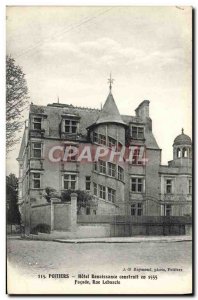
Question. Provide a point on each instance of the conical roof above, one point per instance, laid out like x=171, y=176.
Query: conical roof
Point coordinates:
x=109, y=112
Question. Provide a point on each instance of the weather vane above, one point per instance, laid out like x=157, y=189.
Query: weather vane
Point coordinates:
x=110, y=81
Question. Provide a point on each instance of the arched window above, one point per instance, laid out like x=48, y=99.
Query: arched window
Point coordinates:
x=178, y=152
x=190, y=153
x=184, y=152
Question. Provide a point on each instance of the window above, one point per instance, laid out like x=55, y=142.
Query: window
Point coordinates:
x=102, y=192
x=111, y=169
x=178, y=153
x=95, y=189
x=102, y=139
x=88, y=183
x=111, y=142
x=137, y=132
x=120, y=173
x=70, y=154
x=136, y=153
x=88, y=211
x=95, y=166
x=102, y=166
x=168, y=186
x=37, y=123
x=36, y=147
x=36, y=180
x=184, y=152
x=137, y=185
x=190, y=186
x=70, y=126
x=95, y=137
x=111, y=195
x=137, y=209
x=168, y=209
x=69, y=182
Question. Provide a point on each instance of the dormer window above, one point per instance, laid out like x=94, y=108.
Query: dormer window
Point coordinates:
x=111, y=142
x=70, y=126
x=37, y=123
x=102, y=139
x=137, y=132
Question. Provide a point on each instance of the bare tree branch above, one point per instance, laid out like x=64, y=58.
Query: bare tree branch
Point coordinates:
x=16, y=101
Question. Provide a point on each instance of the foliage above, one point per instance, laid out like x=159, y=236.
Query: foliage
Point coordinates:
x=83, y=198
x=49, y=192
x=44, y=228
x=16, y=100
x=12, y=211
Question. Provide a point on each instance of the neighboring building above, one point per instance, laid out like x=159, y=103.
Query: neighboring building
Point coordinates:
x=176, y=179
x=122, y=188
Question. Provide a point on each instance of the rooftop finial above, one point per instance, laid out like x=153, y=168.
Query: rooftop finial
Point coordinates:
x=110, y=81
x=182, y=130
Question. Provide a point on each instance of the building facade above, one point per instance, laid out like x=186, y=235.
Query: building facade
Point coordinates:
x=136, y=185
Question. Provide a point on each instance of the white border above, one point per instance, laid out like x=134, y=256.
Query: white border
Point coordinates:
x=3, y=4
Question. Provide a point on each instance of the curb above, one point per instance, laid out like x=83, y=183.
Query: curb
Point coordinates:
x=119, y=242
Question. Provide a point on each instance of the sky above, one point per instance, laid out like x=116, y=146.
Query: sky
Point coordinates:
x=69, y=52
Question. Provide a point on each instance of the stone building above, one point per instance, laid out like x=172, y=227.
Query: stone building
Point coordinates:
x=139, y=186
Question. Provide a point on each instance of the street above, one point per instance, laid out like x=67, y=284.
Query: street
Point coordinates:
x=32, y=257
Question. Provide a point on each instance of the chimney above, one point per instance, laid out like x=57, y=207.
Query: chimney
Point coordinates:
x=142, y=110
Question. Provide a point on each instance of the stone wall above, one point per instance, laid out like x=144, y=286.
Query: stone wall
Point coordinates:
x=61, y=215
x=40, y=214
x=133, y=226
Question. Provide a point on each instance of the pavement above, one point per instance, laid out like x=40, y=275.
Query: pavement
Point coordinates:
x=137, y=239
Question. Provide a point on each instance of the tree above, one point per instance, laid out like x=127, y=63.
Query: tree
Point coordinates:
x=50, y=193
x=83, y=198
x=16, y=101
x=12, y=211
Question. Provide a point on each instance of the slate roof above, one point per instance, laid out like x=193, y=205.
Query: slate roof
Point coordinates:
x=109, y=112
x=88, y=117
x=182, y=139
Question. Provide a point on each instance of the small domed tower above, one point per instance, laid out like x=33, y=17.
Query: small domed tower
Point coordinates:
x=182, y=149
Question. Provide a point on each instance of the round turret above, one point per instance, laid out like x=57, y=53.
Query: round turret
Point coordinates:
x=182, y=146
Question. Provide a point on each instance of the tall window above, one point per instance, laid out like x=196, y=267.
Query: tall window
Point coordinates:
x=95, y=166
x=178, y=152
x=190, y=186
x=102, y=192
x=111, y=195
x=137, y=185
x=102, y=166
x=88, y=183
x=37, y=123
x=111, y=169
x=137, y=209
x=184, y=152
x=36, y=180
x=111, y=142
x=102, y=139
x=168, y=210
x=88, y=211
x=71, y=154
x=169, y=186
x=95, y=189
x=95, y=137
x=137, y=132
x=136, y=153
x=36, y=147
x=120, y=173
x=69, y=181
x=70, y=126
